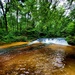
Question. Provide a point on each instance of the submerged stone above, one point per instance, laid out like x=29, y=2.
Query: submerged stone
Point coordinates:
x=38, y=59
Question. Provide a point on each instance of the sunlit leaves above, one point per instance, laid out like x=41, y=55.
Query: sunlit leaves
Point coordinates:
x=70, y=28
x=39, y=17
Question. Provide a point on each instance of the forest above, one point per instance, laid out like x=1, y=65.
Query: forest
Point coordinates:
x=26, y=20
x=37, y=37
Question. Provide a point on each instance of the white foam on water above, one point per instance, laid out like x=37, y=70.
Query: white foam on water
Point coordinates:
x=60, y=41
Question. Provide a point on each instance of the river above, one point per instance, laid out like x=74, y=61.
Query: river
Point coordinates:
x=37, y=59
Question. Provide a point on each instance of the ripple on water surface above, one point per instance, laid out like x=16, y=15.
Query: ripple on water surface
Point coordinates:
x=38, y=61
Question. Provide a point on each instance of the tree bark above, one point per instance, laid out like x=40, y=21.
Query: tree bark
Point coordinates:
x=6, y=25
x=4, y=14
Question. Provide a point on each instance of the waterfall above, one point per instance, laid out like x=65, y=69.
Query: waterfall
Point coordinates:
x=60, y=41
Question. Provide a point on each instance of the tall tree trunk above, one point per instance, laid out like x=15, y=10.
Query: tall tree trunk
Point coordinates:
x=6, y=26
x=71, y=2
x=4, y=14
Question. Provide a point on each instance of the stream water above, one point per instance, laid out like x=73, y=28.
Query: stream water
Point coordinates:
x=38, y=59
x=60, y=41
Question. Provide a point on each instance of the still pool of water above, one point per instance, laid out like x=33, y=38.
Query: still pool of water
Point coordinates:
x=37, y=59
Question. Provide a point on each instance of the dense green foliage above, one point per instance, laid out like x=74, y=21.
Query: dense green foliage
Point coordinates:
x=30, y=19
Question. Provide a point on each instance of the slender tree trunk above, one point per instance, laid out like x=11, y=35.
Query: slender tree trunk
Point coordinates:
x=1, y=23
x=4, y=14
x=71, y=2
x=6, y=25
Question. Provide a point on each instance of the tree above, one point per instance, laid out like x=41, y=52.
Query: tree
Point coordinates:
x=5, y=9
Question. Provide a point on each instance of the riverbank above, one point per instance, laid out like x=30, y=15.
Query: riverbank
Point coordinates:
x=12, y=44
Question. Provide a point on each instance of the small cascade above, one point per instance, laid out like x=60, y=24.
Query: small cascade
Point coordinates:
x=60, y=41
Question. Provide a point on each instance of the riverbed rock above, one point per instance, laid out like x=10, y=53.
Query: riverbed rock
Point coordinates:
x=38, y=59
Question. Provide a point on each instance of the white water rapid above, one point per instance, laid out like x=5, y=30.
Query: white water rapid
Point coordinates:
x=60, y=41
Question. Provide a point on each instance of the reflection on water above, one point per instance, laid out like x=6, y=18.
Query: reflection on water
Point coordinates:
x=37, y=59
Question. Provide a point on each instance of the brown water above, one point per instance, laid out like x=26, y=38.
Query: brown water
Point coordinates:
x=38, y=59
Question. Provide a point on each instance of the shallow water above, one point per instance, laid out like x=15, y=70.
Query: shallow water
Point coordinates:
x=37, y=59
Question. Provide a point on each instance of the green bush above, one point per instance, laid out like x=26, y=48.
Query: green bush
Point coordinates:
x=71, y=39
x=70, y=29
